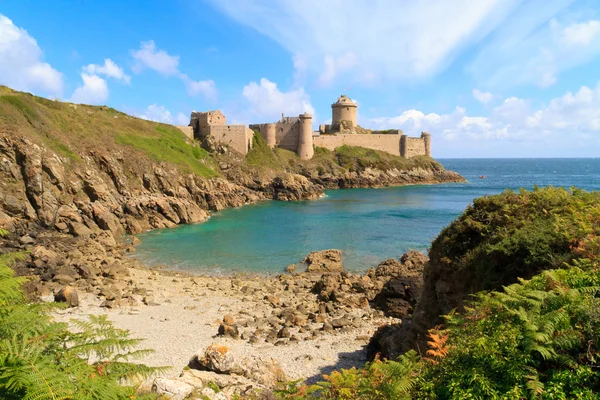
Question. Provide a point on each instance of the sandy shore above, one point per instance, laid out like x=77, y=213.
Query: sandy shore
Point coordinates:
x=183, y=313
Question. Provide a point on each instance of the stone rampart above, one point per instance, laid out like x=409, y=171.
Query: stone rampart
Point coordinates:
x=238, y=137
x=411, y=147
x=382, y=142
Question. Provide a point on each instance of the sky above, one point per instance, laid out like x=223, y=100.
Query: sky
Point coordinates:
x=486, y=78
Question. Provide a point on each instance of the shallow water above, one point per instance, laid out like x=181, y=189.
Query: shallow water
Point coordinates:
x=368, y=225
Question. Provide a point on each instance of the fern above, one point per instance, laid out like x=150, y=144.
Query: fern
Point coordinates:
x=44, y=360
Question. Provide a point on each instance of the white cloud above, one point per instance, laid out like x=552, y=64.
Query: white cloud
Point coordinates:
x=386, y=39
x=569, y=124
x=483, y=97
x=535, y=45
x=21, y=67
x=206, y=88
x=93, y=91
x=159, y=113
x=334, y=66
x=158, y=60
x=268, y=102
x=582, y=33
x=109, y=69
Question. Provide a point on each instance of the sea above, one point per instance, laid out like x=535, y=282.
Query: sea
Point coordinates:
x=368, y=225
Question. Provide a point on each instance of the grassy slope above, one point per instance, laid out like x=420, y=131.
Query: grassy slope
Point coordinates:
x=348, y=158
x=74, y=130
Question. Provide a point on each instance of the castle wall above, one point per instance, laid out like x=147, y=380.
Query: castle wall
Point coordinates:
x=411, y=147
x=390, y=143
x=287, y=135
x=238, y=137
x=187, y=131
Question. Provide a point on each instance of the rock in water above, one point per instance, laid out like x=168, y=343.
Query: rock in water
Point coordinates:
x=68, y=295
x=324, y=261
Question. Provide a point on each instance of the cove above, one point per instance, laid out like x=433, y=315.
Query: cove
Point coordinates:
x=368, y=225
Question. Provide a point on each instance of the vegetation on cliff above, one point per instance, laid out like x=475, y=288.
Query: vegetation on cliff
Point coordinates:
x=537, y=338
x=342, y=159
x=41, y=359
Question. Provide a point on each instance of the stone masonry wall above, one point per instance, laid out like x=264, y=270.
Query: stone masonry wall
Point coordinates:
x=187, y=130
x=238, y=137
x=389, y=143
x=287, y=135
x=414, y=147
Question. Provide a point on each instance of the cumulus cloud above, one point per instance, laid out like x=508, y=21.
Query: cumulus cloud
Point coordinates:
x=267, y=101
x=158, y=60
x=569, y=123
x=375, y=39
x=93, y=91
x=148, y=56
x=206, y=88
x=483, y=97
x=109, y=69
x=21, y=65
x=159, y=113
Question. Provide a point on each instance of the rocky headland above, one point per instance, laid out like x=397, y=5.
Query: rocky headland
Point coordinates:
x=75, y=179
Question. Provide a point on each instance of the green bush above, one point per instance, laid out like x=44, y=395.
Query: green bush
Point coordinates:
x=538, y=338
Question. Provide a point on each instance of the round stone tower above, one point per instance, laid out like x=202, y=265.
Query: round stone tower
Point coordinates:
x=343, y=113
x=427, y=139
x=305, y=139
x=269, y=132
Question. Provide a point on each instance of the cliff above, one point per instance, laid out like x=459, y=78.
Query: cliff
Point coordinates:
x=77, y=177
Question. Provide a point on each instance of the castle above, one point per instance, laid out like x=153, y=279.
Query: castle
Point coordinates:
x=296, y=133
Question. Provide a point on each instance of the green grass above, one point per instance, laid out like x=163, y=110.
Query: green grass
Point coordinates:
x=22, y=105
x=261, y=155
x=170, y=146
x=359, y=158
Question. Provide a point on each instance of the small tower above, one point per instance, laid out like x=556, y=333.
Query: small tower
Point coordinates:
x=305, y=139
x=269, y=133
x=343, y=113
x=427, y=139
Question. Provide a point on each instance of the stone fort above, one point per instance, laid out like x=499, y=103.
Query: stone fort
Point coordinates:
x=296, y=133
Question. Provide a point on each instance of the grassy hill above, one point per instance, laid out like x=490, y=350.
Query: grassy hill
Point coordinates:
x=74, y=130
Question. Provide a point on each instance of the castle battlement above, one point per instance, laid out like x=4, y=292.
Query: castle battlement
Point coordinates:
x=296, y=134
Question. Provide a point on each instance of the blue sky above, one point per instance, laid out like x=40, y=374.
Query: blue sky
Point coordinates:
x=492, y=78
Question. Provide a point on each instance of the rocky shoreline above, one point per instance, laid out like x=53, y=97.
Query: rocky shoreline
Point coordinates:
x=269, y=330
x=69, y=215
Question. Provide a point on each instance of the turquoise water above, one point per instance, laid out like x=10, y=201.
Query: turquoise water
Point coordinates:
x=368, y=225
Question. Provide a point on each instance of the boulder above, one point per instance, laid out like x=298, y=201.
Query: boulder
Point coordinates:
x=217, y=359
x=68, y=295
x=173, y=389
x=324, y=261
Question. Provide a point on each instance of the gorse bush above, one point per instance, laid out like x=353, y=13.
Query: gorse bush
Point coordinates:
x=538, y=338
x=41, y=359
